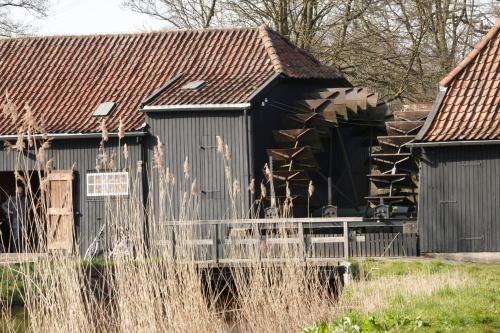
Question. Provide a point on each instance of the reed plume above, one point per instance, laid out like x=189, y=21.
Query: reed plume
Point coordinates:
x=104, y=131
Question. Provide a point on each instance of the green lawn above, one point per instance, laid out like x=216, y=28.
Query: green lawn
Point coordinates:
x=11, y=284
x=471, y=307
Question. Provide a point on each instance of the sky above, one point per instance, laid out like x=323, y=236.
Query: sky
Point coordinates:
x=81, y=17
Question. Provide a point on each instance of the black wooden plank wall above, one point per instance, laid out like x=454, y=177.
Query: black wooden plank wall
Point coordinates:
x=268, y=115
x=193, y=134
x=89, y=214
x=459, y=200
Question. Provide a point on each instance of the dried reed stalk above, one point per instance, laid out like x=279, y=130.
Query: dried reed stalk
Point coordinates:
x=150, y=283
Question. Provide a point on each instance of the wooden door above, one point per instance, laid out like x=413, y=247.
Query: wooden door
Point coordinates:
x=471, y=194
x=60, y=210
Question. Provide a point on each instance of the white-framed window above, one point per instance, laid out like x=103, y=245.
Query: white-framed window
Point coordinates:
x=103, y=184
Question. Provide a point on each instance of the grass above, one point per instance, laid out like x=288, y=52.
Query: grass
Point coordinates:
x=11, y=284
x=469, y=304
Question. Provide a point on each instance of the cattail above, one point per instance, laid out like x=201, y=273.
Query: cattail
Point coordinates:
x=194, y=188
x=158, y=161
x=28, y=118
x=97, y=165
x=20, y=140
x=167, y=176
x=220, y=145
x=112, y=161
x=41, y=155
x=251, y=186
x=288, y=192
x=187, y=168
x=273, y=201
x=310, y=188
x=286, y=206
x=48, y=165
x=10, y=110
x=267, y=172
x=104, y=158
x=104, y=131
x=44, y=182
x=121, y=129
x=7, y=146
x=42, y=152
x=236, y=187
x=20, y=178
x=263, y=190
x=160, y=146
x=125, y=152
x=228, y=155
x=185, y=198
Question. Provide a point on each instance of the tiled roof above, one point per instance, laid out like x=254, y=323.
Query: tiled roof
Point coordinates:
x=65, y=78
x=470, y=109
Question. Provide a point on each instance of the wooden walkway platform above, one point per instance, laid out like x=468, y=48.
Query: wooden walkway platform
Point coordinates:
x=311, y=240
x=17, y=258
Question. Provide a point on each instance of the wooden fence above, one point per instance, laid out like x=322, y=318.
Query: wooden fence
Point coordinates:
x=305, y=239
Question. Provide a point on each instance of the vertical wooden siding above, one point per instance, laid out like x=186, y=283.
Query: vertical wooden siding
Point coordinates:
x=459, y=200
x=89, y=214
x=193, y=135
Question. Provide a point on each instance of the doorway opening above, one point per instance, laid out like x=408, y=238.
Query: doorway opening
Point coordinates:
x=18, y=232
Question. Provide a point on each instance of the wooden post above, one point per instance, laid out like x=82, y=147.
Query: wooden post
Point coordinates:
x=301, y=241
x=172, y=244
x=348, y=166
x=330, y=197
x=271, y=183
x=346, y=240
x=215, y=251
x=256, y=235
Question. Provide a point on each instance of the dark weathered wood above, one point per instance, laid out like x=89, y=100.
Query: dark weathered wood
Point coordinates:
x=460, y=199
x=80, y=155
x=298, y=241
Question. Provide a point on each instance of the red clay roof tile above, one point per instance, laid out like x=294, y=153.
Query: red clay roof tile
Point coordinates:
x=471, y=107
x=65, y=78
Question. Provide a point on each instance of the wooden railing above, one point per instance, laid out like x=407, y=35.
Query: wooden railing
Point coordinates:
x=305, y=239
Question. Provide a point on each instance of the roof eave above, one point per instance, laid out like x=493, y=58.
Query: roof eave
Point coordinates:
x=453, y=143
x=435, y=110
x=196, y=107
x=94, y=135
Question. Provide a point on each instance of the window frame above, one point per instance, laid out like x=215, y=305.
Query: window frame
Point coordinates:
x=102, y=180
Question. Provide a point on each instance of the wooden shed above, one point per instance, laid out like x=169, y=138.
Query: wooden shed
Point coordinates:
x=184, y=88
x=459, y=199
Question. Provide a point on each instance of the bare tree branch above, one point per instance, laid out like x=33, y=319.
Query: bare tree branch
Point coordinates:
x=178, y=13
x=402, y=48
x=10, y=27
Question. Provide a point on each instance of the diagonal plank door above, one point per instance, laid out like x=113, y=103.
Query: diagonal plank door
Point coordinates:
x=60, y=210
